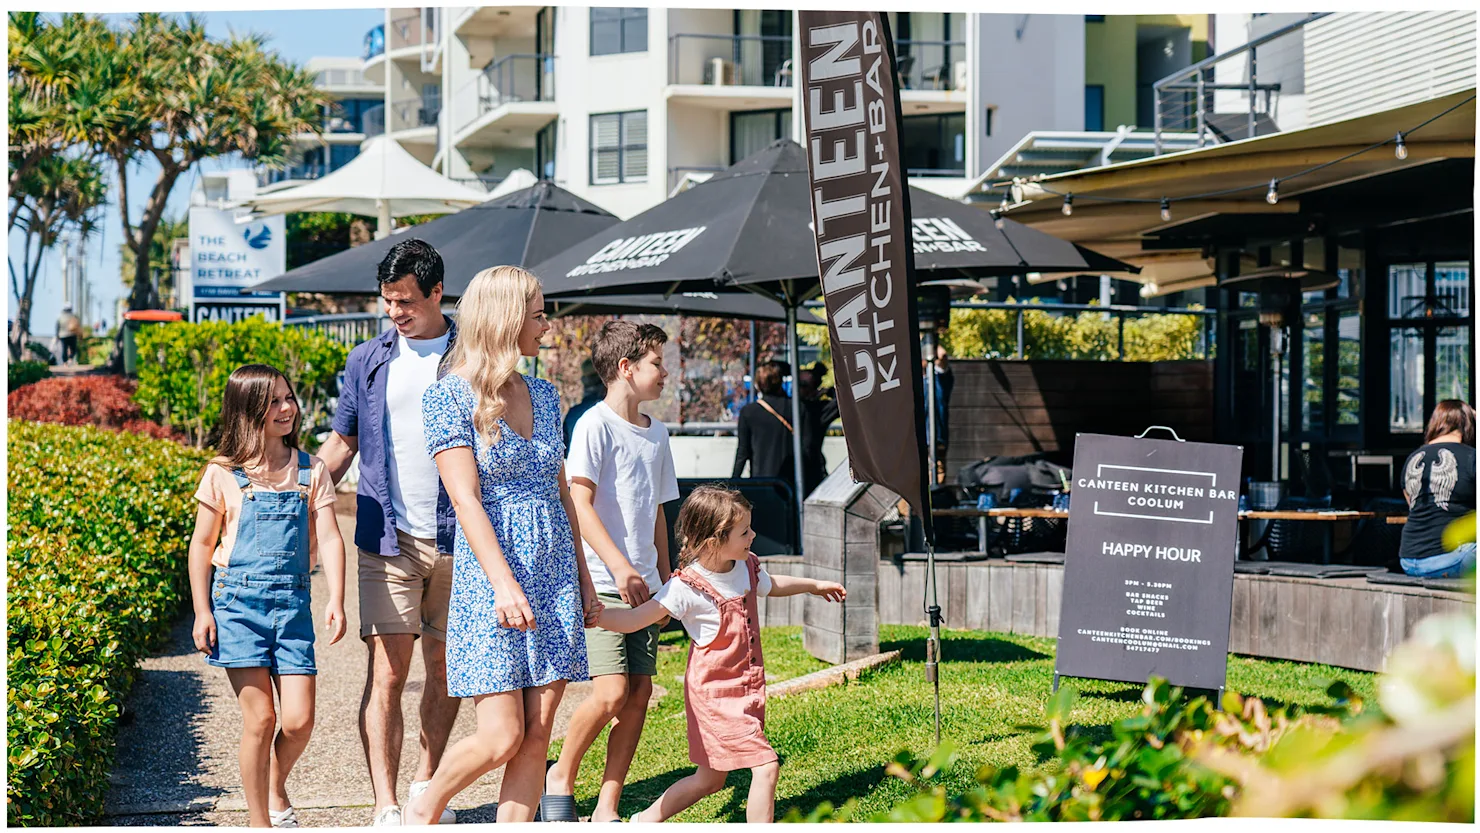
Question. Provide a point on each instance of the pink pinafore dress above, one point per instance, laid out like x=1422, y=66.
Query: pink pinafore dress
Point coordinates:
x=725, y=684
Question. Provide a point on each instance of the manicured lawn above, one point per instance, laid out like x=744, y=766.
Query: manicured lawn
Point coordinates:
x=834, y=743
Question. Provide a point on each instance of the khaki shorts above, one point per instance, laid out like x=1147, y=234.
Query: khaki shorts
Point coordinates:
x=609, y=652
x=406, y=593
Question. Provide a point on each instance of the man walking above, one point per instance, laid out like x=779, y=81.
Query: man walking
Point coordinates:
x=69, y=326
x=404, y=525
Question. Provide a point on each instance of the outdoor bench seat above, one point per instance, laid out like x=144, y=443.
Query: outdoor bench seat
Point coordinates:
x=1390, y=577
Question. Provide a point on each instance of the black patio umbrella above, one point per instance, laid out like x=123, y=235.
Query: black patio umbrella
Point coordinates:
x=750, y=227
x=709, y=304
x=520, y=228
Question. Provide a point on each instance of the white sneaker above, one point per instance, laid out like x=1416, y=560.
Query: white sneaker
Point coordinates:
x=283, y=818
x=419, y=787
x=389, y=817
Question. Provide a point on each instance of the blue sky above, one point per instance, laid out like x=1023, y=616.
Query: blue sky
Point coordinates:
x=297, y=36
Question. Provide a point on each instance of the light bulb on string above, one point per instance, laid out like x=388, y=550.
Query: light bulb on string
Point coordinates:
x=998, y=221
x=1068, y=208
x=1273, y=196
x=1400, y=150
x=1166, y=210
x=1003, y=206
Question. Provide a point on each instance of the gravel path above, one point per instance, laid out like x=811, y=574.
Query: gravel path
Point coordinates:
x=177, y=747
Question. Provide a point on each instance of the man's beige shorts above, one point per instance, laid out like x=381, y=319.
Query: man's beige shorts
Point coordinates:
x=406, y=593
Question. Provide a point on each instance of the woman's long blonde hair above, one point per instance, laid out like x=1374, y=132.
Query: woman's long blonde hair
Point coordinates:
x=490, y=315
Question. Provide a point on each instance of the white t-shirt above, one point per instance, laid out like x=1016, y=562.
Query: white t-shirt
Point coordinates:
x=699, y=615
x=413, y=474
x=632, y=468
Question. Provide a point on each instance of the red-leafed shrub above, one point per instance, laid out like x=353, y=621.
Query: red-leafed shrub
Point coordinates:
x=101, y=401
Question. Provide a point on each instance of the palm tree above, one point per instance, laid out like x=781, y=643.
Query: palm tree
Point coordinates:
x=193, y=99
x=56, y=193
x=169, y=230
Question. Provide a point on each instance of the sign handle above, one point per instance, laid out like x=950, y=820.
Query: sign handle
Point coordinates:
x=1149, y=429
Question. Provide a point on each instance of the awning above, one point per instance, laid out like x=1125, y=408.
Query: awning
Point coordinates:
x=1120, y=229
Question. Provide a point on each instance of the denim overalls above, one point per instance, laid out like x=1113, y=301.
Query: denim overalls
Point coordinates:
x=261, y=600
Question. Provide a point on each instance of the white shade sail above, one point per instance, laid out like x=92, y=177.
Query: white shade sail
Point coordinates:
x=384, y=181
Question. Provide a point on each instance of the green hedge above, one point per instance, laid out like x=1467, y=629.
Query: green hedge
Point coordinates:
x=99, y=527
x=183, y=370
x=22, y=373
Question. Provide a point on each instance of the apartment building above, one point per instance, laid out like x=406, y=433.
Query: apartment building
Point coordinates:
x=348, y=121
x=622, y=105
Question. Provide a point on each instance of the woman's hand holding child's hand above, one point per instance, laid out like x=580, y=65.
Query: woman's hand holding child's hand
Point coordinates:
x=204, y=632
x=591, y=608
x=831, y=591
x=334, y=622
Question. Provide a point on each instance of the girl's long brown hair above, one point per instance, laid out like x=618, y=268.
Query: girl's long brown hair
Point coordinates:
x=243, y=426
x=708, y=517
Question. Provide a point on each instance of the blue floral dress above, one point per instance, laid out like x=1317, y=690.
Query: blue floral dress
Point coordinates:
x=521, y=494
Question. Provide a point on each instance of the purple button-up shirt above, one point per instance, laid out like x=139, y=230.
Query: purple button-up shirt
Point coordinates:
x=362, y=414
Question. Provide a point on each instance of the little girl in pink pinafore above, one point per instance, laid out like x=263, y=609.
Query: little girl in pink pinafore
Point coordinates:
x=714, y=596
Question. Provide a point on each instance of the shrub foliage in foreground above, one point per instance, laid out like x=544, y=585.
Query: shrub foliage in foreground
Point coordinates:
x=183, y=370
x=1410, y=759
x=21, y=373
x=99, y=525
x=101, y=401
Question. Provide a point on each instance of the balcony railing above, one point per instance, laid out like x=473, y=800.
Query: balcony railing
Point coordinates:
x=931, y=64
x=292, y=173
x=410, y=113
x=373, y=121
x=343, y=78
x=925, y=172
x=375, y=42
x=1186, y=101
x=516, y=77
x=481, y=182
x=730, y=60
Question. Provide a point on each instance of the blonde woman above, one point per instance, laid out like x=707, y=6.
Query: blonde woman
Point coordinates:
x=520, y=594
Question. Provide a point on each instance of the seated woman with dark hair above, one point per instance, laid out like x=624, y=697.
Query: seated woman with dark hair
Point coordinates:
x=1439, y=485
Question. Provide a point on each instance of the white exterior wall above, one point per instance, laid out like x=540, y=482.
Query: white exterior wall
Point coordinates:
x=587, y=84
x=1034, y=81
x=1365, y=62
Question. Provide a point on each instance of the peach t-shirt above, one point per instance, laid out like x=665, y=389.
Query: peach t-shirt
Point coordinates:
x=218, y=490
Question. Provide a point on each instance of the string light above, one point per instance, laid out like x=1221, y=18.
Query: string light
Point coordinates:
x=1166, y=210
x=1273, y=196
x=1401, y=151
x=1068, y=208
x=1003, y=206
x=998, y=221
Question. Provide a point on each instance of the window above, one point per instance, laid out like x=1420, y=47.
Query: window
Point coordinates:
x=933, y=145
x=754, y=131
x=1405, y=378
x=1348, y=368
x=1430, y=320
x=615, y=31
x=1094, y=107
x=987, y=119
x=1094, y=18
x=619, y=147
x=341, y=155
x=1313, y=340
x=544, y=151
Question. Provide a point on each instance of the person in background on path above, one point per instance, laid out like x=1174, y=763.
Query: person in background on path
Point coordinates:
x=621, y=474
x=265, y=515
x=713, y=593
x=593, y=390
x=945, y=382
x=520, y=591
x=404, y=523
x=819, y=410
x=764, y=428
x=1439, y=485
x=69, y=327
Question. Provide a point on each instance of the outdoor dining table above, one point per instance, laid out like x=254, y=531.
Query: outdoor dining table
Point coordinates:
x=1329, y=516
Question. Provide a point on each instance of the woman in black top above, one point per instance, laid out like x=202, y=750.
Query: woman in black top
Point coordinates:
x=1439, y=484
x=765, y=428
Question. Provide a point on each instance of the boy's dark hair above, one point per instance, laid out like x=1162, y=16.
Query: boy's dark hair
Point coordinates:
x=768, y=378
x=412, y=257
x=621, y=339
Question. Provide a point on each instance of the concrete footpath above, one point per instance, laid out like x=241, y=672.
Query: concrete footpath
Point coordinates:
x=177, y=748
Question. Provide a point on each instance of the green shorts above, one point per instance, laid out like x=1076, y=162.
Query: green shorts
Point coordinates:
x=609, y=652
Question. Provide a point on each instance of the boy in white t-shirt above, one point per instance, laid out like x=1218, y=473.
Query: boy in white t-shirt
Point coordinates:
x=621, y=473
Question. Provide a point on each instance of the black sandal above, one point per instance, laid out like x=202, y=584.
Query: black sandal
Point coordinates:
x=558, y=808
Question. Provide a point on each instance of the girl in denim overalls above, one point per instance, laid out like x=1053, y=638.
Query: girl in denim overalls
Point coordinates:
x=713, y=594
x=265, y=510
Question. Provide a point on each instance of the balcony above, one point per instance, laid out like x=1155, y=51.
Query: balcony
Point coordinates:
x=1192, y=100
x=509, y=101
x=345, y=79
x=480, y=182
x=294, y=173
x=730, y=72
x=408, y=30
x=416, y=114
x=931, y=64
x=373, y=121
